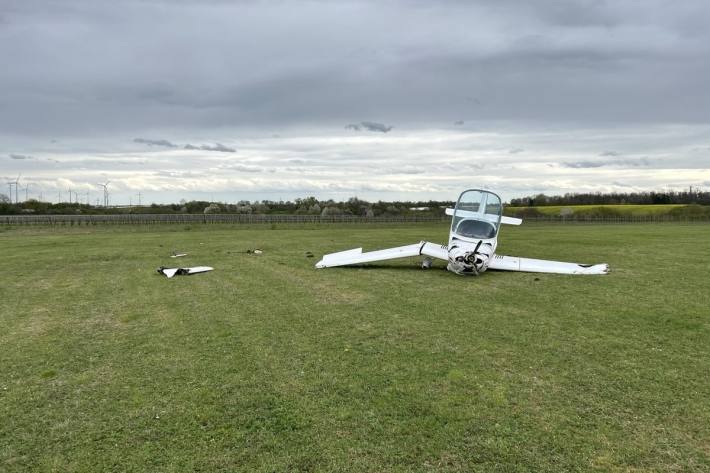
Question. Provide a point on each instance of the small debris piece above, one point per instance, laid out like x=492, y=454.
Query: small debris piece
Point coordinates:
x=426, y=263
x=170, y=272
x=255, y=251
x=177, y=255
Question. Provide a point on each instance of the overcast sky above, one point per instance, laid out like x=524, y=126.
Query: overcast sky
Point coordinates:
x=384, y=99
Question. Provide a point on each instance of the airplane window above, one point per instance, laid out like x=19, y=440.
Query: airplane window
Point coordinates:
x=475, y=229
x=477, y=214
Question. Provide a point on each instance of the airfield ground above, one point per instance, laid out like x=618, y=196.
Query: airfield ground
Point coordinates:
x=267, y=364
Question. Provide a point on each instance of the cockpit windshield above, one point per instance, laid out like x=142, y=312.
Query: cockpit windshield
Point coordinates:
x=477, y=215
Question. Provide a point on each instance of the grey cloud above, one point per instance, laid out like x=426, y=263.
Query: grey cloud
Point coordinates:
x=369, y=126
x=576, y=62
x=217, y=147
x=168, y=144
x=243, y=168
x=598, y=164
x=609, y=153
x=373, y=126
x=516, y=151
x=458, y=122
x=146, y=141
x=585, y=164
x=632, y=162
x=21, y=156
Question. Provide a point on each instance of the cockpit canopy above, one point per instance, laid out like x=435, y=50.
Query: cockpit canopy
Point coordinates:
x=477, y=215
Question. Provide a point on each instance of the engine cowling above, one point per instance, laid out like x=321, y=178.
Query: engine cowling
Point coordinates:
x=468, y=261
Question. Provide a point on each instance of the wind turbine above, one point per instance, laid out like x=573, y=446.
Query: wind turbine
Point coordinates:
x=17, y=183
x=27, y=189
x=105, y=186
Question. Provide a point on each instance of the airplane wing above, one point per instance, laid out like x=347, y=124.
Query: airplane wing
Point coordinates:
x=514, y=263
x=356, y=256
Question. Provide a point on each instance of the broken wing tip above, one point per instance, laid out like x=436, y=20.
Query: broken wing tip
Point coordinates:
x=602, y=268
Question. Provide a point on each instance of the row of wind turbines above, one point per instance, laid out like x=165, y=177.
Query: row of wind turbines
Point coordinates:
x=16, y=184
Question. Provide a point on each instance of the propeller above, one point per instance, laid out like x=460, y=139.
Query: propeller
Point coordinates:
x=467, y=262
x=471, y=257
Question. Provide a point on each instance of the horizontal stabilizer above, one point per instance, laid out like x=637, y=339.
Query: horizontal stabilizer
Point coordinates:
x=356, y=256
x=489, y=217
x=513, y=263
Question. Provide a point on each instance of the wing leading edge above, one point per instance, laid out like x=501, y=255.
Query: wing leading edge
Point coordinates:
x=356, y=256
x=514, y=263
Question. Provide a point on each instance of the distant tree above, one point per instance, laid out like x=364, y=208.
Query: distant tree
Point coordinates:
x=392, y=210
x=4, y=199
x=213, y=208
x=356, y=206
x=331, y=210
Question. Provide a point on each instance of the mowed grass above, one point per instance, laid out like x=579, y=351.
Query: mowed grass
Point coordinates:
x=267, y=364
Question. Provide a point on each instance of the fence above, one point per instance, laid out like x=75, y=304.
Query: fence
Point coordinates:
x=148, y=219
x=620, y=219
x=203, y=219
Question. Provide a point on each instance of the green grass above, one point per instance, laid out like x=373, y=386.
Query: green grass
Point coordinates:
x=267, y=364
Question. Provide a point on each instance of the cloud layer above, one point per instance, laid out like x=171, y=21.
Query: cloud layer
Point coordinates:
x=550, y=95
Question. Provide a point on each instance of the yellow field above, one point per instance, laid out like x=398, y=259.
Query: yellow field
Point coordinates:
x=629, y=209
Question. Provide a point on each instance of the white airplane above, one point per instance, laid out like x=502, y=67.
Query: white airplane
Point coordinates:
x=472, y=244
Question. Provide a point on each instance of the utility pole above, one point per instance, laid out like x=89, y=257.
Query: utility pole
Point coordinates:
x=139, y=199
x=9, y=185
x=27, y=187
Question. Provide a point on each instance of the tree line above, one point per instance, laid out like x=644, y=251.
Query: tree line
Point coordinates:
x=305, y=206
x=690, y=196
x=352, y=206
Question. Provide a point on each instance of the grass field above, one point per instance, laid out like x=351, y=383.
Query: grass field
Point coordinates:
x=267, y=364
